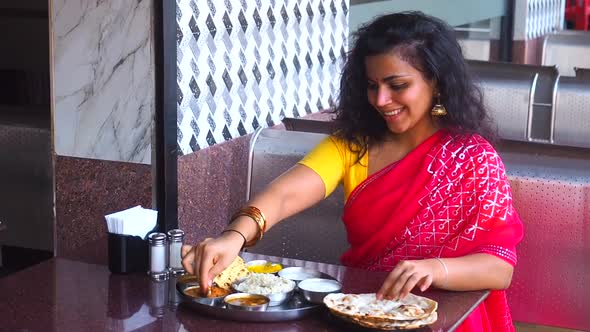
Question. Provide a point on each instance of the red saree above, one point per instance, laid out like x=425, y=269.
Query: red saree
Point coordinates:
x=448, y=197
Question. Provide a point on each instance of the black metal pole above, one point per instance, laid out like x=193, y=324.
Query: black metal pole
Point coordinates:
x=166, y=180
x=506, y=32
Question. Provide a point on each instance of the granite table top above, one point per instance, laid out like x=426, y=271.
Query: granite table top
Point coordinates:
x=66, y=295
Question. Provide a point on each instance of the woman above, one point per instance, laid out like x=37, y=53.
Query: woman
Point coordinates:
x=427, y=196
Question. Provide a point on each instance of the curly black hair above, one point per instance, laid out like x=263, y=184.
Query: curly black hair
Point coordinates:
x=429, y=45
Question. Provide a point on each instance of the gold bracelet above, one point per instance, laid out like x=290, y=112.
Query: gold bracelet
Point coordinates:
x=257, y=216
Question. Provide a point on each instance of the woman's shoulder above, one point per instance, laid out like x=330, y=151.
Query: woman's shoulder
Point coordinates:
x=474, y=145
x=331, y=145
x=470, y=139
x=350, y=151
x=343, y=144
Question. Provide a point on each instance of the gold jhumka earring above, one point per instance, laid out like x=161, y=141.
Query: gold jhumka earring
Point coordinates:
x=438, y=110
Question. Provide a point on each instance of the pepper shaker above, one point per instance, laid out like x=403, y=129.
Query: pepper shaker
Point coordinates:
x=158, y=262
x=176, y=240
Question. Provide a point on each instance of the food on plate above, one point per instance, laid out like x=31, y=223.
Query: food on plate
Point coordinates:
x=410, y=308
x=237, y=270
x=193, y=291
x=262, y=266
x=264, y=284
x=364, y=309
x=394, y=325
x=214, y=291
x=251, y=300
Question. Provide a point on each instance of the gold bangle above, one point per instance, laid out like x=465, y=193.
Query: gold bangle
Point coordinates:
x=262, y=217
x=257, y=216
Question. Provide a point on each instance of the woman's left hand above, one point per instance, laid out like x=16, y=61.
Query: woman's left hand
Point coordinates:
x=408, y=274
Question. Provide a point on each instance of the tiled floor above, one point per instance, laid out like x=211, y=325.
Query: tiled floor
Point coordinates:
x=521, y=327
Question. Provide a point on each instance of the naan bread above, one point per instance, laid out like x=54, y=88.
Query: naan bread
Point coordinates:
x=395, y=325
x=235, y=271
x=367, y=308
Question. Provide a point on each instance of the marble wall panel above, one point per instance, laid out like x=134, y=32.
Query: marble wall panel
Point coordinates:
x=103, y=79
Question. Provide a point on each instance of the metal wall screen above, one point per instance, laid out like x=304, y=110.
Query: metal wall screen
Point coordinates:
x=243, y=64
x=536, y=18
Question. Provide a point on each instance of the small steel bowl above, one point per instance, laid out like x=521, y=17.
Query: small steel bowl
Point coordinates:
x=298, y=273
x=315, y=289
x=279, y=298
x=194, y=292
x=248, y=302
x=187, y=279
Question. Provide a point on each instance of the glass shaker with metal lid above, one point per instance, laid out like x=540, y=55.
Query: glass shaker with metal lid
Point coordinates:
x=176, y=239
x=158, y=258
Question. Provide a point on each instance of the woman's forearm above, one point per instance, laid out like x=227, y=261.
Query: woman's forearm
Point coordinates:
x=475, y=272
x=292, y=192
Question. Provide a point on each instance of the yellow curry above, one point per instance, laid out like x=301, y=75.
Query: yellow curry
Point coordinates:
x=265, y=268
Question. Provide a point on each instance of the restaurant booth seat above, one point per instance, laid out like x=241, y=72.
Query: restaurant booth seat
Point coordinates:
x=582, y=73
x=567, y=50
x=544, y=127
x=316, y=234
x=545, y=146
x=551, y=191
x=520, y=98
x=572, y=111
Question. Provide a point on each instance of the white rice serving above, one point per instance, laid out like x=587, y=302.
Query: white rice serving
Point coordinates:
x=265, y=284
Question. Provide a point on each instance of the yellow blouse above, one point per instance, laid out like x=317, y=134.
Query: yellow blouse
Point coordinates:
x=333, y=160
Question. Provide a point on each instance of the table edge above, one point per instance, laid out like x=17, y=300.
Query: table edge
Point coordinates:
x=465, y=315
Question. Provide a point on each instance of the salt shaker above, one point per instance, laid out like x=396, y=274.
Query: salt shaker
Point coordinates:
x=158, y=298
x=158, y=262
x=176, y=239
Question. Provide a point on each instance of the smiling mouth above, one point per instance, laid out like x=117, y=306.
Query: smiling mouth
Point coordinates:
x=393, y=113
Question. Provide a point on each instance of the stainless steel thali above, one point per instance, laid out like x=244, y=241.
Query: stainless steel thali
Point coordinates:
x=294, y=308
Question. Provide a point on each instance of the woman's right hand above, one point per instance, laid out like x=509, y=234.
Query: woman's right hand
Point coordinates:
x=207, y=259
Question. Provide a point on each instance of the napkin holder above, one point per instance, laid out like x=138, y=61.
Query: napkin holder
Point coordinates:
x=127, y=253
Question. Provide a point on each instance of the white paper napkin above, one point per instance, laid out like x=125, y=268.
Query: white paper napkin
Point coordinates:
x=135, y=221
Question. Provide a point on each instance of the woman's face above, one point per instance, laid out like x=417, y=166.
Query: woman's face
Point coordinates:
x=400, y=94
